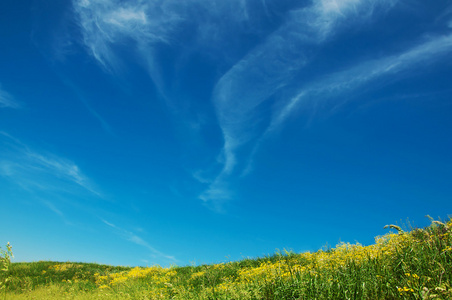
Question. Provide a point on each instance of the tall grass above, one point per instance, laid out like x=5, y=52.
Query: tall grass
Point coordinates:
x=403, y=265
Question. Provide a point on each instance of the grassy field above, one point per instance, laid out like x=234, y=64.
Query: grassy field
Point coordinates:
x=406, y=265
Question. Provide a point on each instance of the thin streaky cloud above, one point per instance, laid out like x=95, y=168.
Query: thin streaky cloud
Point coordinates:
x=6, y=100
x=268, y=68
x=108, y=223
x=61, y=168
x=107, y=25
x=9, y=138
x=220, y=191
x=109, y=22
x=323, y=18
x=417, y=57
x=331, y=86
x=132, y=237
x=41, y=170
x=53, y=208
x=85, y=102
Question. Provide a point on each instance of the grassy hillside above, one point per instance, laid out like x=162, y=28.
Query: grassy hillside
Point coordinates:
x=403, y=265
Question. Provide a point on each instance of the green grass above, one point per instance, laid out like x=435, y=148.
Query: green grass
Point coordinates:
x=404, y=265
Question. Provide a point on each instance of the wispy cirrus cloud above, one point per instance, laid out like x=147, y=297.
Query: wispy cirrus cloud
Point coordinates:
x=246, y=97
x=320, y=20
x=53, y=208
x=6, y=100
x=142, y=27
x=333, y=86
x=80, y=95
x=426, y=52
x=268, y=68
x=106, y=23
x=50, y=179
x=133, y=238
x=40, y=171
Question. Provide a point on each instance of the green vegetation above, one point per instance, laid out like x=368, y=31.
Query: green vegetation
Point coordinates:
x=5, y=261
x=403, y=265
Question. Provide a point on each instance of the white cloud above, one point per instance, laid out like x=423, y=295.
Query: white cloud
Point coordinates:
x=268, y=68
x=142, y=25
x=320, y=20
x=217, y=194
x=332, y=86
x=6, y=100
x=42, y=171
x=125, y=17
x=133, y=238
x=53, y=208
x=419, y=56
x=84, y=100
x=251, y=82
x=109, y=23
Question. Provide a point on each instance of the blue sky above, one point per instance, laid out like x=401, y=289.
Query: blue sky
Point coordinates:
x=189, y=132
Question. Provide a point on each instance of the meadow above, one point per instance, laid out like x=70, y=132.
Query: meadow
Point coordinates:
x=413, y=264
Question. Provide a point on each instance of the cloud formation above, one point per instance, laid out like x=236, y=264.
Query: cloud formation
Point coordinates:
x=106, y=23
x=141, y=28
x=133, y=238
x=246, y=97
x=49, y=177
x=271, y=66
x=419, y=56
x=41, y=171
x=6, y=100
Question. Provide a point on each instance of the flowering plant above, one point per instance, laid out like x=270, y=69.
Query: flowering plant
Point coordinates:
x=5, y=260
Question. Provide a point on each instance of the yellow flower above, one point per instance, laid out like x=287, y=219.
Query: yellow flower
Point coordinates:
x=198, y=274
